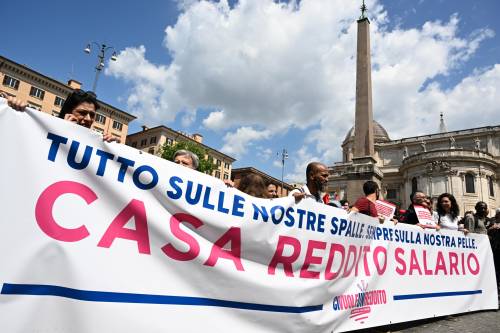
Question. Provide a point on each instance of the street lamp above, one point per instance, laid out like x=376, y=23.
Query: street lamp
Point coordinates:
x=103, y=48
x=284, y=156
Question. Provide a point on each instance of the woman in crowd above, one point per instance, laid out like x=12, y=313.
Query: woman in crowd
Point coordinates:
x=447, y=210
x=253, y=185
x=272, y=190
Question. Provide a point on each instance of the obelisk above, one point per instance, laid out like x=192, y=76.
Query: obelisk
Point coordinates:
x=364, y=165
x=363, y=123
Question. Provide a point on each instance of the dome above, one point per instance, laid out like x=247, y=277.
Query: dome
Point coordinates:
x=379, y=133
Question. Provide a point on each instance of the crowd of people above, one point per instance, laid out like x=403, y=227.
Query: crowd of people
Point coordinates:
x=444, y=215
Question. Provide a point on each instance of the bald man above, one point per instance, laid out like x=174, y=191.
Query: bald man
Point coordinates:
x=317, y=178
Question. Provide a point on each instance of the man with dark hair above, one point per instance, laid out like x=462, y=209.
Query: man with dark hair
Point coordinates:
x=317, y=178
x=80, y=108
x=478, y=223
x=416, y=198
x=366, y=205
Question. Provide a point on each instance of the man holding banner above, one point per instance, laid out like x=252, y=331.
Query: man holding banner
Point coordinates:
x=80, y=107
x=317, y=178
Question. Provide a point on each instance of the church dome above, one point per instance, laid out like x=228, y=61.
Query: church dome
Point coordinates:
x=379, y=133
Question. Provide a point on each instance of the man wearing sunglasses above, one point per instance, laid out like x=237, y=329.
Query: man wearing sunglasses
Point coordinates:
x=80, y=108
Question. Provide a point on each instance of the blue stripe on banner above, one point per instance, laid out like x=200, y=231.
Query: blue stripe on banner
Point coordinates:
x=441, y=294
x=113, y=297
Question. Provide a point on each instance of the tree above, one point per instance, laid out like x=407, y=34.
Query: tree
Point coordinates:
x=206, y=163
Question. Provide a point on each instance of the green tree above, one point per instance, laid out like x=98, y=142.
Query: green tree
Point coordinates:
x=206, y=164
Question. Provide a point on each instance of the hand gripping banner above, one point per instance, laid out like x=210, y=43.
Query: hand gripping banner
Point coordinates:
x=100, y=237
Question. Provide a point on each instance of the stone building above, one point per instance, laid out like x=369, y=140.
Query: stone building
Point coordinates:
x=151, y=140
x=464, y=163
x=48, y=95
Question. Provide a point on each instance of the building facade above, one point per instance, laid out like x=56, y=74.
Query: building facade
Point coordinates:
x=151, y=140
x=48, y=95
x=282, y=188
x=464, y=163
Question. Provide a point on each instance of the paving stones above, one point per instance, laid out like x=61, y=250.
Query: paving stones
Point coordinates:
x=475, y=322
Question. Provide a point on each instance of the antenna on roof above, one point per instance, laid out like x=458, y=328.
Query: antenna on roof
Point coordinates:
x=72, y=73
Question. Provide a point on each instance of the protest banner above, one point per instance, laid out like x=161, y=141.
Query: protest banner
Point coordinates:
x=424, y=216
x=99, y=237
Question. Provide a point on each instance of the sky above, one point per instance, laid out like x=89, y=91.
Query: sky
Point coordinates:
x=256, y=76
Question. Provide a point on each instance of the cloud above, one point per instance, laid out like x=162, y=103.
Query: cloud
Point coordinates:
x=264, y=153
x=185, y=4
x=299, y=161
x=277, y=164
x=237, y=143
x=215, y=120
x=263, y=67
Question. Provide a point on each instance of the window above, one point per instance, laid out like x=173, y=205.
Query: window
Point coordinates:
x=117, y=125
x=99, y=118
x=98, y=130
x=217, y=174
x=55, y=113
x=134, y=144
x=491, y=186
x=144, y=142
x=226, y=165
x=392, y=193
x=152, y=140
x=414, y=184
x=58, y=101
x=37, y=92
x=469, y=183
x=219, y=163
x=11, y=82
x=35, y=106
x=226, y=176
x=169, y=141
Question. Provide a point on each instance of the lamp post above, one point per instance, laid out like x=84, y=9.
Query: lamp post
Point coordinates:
x=101, y=56
x=284, y=156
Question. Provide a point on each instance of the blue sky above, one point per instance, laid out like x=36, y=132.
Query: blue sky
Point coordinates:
x=255, y=76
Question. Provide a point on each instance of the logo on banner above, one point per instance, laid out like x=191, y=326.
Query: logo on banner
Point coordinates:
x=360, y=304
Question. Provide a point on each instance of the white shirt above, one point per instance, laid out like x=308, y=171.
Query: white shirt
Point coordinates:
x=446, y=221
x=305, y=189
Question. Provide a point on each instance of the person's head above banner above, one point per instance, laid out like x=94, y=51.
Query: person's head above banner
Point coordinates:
x=80, y=107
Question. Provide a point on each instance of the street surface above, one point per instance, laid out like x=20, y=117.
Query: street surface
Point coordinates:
x=475, y=322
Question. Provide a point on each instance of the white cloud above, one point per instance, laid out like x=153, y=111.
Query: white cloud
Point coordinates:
x=298, y=162
x=237, y=143
x=215, y=120
x=277, y=164
x=276, y=66
x=185, y=4
x=264, y=153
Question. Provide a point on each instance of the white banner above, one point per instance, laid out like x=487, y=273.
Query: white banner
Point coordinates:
x=99, y=237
